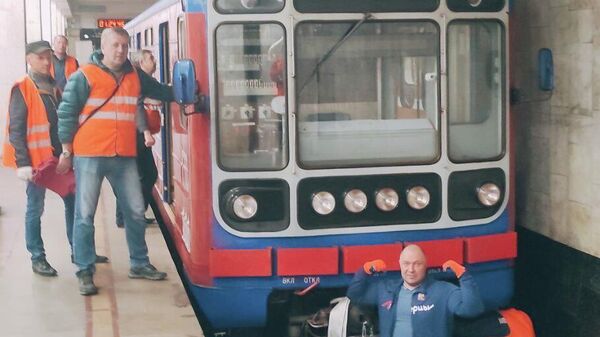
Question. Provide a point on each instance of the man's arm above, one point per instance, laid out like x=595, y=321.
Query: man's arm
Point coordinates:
x=17, y=111
x=77, y=91
x=153, y=89
x=465, y=301
x=363, y=288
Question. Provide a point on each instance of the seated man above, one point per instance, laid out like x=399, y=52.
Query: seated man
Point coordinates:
x=415, y=305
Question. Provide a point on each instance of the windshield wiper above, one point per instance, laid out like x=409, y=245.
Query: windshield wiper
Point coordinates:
x=335, y=47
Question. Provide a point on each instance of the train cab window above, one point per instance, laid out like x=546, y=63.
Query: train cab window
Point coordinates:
x=383, y=112
x=251, y=106
x=476, y=94
x=249, y=6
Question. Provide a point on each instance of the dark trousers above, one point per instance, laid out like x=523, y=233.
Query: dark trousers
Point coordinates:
x=148, y=174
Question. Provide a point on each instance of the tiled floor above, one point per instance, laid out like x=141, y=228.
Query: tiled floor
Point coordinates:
x=31, y=305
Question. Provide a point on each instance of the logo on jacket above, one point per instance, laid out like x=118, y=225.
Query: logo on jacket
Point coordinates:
x=421, y=297
x=417, y=308
x=387, y=304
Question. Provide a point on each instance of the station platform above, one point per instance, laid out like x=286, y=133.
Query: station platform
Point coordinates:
x=33, y=305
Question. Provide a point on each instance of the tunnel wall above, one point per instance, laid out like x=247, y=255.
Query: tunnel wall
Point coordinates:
x=558, y=133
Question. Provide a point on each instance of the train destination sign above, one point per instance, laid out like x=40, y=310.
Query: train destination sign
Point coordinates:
x=110, y=23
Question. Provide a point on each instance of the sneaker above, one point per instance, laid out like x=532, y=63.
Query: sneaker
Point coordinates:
x=149, y=221
x=148, y=272
x=99, y=259
x=42, y=267
x=86, y=283
x=120, y=225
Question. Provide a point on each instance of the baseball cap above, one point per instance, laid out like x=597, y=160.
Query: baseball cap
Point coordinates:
x=37, y=47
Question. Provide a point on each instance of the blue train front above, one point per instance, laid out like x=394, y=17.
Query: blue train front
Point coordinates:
x=330, y=133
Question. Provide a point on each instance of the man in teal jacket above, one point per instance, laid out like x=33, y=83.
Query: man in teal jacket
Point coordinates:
x=415, y=305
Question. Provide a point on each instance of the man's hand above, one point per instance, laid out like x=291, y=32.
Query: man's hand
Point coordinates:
x=375, y=266
x=148, y=139
x=25, y=173
x=458, y=269
x=64, y=164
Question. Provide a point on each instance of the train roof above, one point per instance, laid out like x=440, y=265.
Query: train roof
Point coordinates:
x=188, y=6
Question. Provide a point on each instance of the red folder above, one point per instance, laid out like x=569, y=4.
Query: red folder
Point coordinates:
x=45, y=176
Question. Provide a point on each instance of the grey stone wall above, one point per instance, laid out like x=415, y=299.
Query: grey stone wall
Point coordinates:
x=558, y=134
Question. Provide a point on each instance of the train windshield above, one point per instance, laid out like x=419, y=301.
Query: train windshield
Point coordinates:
x=475, y=90
x=251, y=106
x=367, y=94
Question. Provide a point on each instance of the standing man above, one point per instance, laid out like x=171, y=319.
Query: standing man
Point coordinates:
x=32, y=138
x=415, y=305
x=62, y=65
x=97, y=128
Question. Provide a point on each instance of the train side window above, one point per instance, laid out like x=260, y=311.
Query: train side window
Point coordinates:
x=249, y=6
x=251, y=100
x=138, y=41
x=181, y=42
x=476, y=77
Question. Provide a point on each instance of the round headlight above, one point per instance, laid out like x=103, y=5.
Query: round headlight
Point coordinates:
x=323, y=203
x=418, y=197
x=355, y=201
x=386, y=199
x=245, y=206
x=488, y=194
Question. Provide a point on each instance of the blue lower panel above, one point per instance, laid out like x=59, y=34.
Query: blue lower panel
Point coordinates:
x=233, y=307
x=242, y=302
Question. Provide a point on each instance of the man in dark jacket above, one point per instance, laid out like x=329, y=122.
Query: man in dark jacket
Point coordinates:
x=96, y=126
x=415, y=305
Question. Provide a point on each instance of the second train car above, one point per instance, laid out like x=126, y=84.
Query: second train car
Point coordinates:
x=325, y=134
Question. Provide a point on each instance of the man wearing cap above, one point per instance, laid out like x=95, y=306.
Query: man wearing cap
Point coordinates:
x=63, y=65
x=32, y=138
x=415, y=304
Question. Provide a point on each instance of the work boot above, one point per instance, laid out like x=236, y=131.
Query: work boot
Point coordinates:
x=86, y=283
x=99, y=259
x=42, y=267
x=148, y=272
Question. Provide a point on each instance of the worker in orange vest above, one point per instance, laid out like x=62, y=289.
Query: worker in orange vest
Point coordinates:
x=63, y=65
x=32, y=139
x=97, y=128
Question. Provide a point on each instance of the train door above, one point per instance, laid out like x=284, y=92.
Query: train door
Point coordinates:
x=165, y=149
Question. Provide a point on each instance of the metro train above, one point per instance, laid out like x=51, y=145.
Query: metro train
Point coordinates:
x=311, y=136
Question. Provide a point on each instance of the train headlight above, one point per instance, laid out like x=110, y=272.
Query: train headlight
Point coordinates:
x=355, y=201
x=386, y=199
x=488, y=194
x=474, y=3
x=323, y=203
x=418, y=197
x=245, y=206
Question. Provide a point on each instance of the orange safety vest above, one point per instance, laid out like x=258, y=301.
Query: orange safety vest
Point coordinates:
x=70, y=66
x=38, y=128
x=153, y=119
x=111, y=131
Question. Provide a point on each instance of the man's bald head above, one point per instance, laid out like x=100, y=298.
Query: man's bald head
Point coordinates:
x=413, y=265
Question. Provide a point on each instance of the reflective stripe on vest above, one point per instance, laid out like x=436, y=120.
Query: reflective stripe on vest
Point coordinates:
x=39, y=145
x=111, y=131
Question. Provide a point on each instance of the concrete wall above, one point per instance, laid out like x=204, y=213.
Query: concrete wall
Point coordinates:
x=12, y=53
x=558, y=135
x=22, y=22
